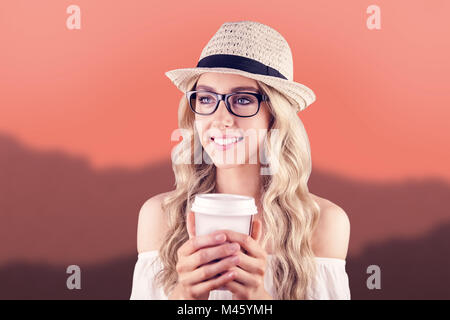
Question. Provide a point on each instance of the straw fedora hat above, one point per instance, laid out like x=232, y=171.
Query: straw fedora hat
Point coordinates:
x=253, y=50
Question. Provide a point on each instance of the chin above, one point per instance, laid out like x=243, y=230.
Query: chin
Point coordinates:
x=227, y=165
x=219, y=160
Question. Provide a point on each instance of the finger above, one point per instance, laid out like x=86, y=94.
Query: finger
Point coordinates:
x=206, y=255
x=245, y=278
x=239, y=291
x=251, y=265
x=190, y=224
x=206, y=286
x=208, y=271
x=198, y=242
x=246, y=242
x=256, y=230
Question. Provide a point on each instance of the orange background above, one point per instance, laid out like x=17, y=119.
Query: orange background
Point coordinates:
x=88, y=106
x=101, y=93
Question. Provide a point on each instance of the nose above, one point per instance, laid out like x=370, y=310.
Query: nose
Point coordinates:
x=222, y=116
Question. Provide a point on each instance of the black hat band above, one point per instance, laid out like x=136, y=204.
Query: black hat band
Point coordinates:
x=238, y=62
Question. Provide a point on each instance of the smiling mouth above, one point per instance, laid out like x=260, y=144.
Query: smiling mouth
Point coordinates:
x=226, y=142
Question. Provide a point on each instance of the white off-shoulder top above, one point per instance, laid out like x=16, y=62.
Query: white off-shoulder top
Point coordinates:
x=331, y=281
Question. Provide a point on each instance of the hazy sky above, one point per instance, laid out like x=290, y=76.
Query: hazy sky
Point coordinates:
x=100, y=92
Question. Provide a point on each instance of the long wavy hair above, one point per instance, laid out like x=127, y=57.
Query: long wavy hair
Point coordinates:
x=290, y=213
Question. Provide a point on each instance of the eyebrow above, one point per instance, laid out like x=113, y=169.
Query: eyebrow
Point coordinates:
x=235, y=89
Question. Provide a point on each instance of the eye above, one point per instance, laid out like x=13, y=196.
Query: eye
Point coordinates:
x=204, y=99
x=244, y=99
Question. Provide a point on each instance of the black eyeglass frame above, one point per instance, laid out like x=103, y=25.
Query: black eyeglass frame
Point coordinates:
x=224, y=97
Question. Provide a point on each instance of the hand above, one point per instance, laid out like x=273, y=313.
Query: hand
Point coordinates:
x=250, y=270
x=198, y=273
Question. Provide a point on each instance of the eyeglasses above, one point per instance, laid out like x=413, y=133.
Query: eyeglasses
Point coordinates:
x=240, y=104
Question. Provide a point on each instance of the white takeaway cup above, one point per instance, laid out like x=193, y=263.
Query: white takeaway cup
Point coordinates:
x=218, y=211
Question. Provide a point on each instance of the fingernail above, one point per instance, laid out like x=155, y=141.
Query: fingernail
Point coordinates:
x=220, y=237
x=235, y=259
x=234, y=247
x=231, y=274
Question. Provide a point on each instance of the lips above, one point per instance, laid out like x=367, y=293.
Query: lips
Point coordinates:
x=226, y=142
x=223, y=141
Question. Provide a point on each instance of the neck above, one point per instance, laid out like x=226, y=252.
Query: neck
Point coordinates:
x=243, y=180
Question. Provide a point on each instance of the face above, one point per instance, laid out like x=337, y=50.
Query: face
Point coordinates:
x=251, y=131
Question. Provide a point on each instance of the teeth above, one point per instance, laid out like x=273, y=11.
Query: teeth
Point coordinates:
x=226, y=141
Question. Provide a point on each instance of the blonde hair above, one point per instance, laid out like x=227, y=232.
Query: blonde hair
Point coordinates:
x=289, y=214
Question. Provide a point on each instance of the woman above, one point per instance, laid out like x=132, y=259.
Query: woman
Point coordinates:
x=243, y=83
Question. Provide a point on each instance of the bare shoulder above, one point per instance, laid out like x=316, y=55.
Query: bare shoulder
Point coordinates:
x=152, y=224
x=332, y=233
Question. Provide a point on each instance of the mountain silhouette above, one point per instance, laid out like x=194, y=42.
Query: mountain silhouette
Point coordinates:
x=382, y=210
x=410, y=269
x=56, y=210
x=417, y=268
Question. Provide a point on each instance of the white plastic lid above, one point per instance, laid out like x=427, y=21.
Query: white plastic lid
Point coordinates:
x=224, y=204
